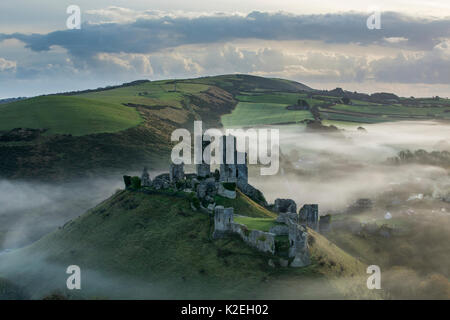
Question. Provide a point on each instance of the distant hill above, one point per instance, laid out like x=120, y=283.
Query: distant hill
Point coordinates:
x=8, y=100
x=112, y=129
x=137, y=245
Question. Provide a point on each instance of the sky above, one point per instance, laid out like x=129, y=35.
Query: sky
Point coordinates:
x=323, y=44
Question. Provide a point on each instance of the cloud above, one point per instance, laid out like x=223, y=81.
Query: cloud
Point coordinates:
x=126, y=44
x=427, y=67
x=7, y=65
x=156, y=32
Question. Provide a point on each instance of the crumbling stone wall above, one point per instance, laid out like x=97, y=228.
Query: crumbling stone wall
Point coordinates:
x=309, y=215
x=283, y=217
x=176, y=172
x=285, y=205
x=224, y=224
x=223, y=220
x=298, y=244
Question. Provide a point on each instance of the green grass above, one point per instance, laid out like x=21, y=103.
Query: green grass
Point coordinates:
x=68, y=115
x=391, y=110
x=244, y=206
x=150, y=93
x=263, y=224
x=342, y=117
x=278, y=97
x=248, y=114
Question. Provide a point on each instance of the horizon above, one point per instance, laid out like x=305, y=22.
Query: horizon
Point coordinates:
x=108, y=86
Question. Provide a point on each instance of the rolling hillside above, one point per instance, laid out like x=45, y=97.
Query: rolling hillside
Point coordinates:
x=122, y=128
x=137, y=245
x=68, y=115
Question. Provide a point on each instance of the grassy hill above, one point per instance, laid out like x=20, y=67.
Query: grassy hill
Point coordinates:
x=109, y=130
x=138, y=245
x=68, y=115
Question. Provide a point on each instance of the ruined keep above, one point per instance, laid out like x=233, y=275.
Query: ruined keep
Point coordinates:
x=204, y=188
x=203, y=169
x=145, y=178
x=234, y=171
x=285, y=205
x=309, y=215
x=176, y=172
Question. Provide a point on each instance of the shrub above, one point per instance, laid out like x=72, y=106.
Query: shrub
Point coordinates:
x=180, y=184
x=136, y=182
x=194, y=200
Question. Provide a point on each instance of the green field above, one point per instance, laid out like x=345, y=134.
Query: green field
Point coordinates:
x=149, y=94
x=394, y=110
x=351, y=118
x=248, y=114
x=277, y=97
x=263, y=224
x=67, y=115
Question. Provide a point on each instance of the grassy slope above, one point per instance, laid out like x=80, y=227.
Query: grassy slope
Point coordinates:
x=150, y=94
x=106, y=142
x=252, y=223
x=247, y=114
x=166, y=248
x=67, y=115
x=244, y=206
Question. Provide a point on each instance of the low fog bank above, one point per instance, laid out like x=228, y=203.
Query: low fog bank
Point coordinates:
x=29, y=210
x=334, y=170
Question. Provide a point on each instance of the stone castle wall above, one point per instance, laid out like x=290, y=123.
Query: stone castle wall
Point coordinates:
x=224, y=225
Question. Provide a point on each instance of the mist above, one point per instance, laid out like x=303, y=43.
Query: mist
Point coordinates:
x=30, y=210
x=336, y=169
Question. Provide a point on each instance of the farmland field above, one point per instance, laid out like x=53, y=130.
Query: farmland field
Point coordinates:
x=247, y=113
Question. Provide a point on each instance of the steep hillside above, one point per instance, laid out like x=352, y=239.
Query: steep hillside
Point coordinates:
x=103, y=131
x=138, y=245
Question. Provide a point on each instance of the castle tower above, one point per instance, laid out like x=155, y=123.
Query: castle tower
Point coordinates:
x=176, y=172
x=228, y=167
x=145, y=178
x=223, y=220
x=309, y=215
x=204, y=169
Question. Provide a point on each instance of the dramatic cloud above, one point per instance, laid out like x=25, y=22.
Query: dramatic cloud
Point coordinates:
x=148, y=35
x=124, y=44
x=429, y=67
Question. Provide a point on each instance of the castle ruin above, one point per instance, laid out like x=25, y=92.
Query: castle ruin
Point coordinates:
x=234, y=174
